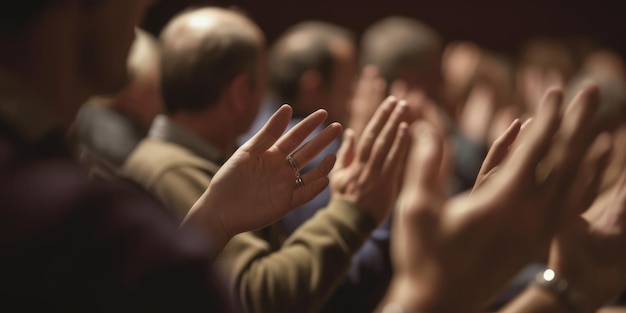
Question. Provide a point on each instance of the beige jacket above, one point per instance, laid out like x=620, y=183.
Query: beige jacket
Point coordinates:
x=265, y=270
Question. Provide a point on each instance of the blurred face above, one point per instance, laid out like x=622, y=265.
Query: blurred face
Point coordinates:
x=108, y=33
x=341, y=88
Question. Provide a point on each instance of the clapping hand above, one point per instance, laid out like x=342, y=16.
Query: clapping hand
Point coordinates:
x=368, y=170
x=465, y=249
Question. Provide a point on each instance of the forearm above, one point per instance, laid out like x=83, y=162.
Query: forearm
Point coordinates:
x=307, y=268
x=536, y=300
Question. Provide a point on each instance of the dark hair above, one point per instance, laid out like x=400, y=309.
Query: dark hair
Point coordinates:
x=194, y=75
x=16, y=15
x=397, y=43
x=289, y=62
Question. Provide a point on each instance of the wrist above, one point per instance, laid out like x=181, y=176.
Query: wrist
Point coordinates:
x=405, y=295
x=208, y=225
x=564, y=291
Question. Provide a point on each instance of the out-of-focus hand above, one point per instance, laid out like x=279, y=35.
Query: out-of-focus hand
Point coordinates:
x=533, y=83
x=477, y=114
x=423, y=108
x=257, y=185
x=368, y=172
x=469, y=247
x=497, y=153
x=589, y=251
x=368, y=95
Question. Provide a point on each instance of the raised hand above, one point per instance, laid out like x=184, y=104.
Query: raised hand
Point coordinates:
x=477, y=114
x=589, y=252
x=368, y=95
x=469, y=247
x=498, y=152
x=258, y=185
x=368, y=171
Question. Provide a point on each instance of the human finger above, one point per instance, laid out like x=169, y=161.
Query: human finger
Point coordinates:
x=499, y=150
x=271, y=131
x=395, y=161
x=424, y=159
x=373, y=128
x=386, y=139
x=586, y=186
x=307, y=152
x=345, y=155
x=575, y=135
x=399, y=89
x=296, y=135
x=572, y=141
x=313, y=182
x=536, y=142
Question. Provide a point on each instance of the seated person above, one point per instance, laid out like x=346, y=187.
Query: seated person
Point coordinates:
x=212, y=87
x=312, y=66
x=74, y=245
x=109, y=128
x=408, y=51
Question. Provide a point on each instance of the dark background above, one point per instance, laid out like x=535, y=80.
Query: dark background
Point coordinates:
x=499, y=25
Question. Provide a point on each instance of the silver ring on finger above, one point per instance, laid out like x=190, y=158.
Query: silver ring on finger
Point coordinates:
x=299, y=181
x=292, y=162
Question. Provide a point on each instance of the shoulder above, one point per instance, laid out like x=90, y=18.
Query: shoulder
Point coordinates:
x=154, y=158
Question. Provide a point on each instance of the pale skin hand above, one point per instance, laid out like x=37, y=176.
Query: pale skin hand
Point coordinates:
x=423, y=108
x=588, y=253
x=497, y=229
x=368, y=95
x=368, y=171
x=477, y=114
x=497, y=153
x=257, y=186
x=589, y=250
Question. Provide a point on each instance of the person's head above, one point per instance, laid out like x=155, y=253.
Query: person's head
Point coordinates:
x=405, y=49
x=312, y=66
x=213, y=64
x=549, y=54
x=141, y=99
x=79, y=46
x=605, y=64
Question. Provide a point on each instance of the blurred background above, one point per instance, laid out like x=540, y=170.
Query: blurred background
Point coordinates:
x=501, y=26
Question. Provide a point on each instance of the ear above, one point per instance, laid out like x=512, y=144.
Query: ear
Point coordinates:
x=240, y=93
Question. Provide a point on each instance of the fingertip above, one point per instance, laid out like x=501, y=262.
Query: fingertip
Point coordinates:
x=526, y=123
x=553, y=99
x=285, y=107
x=348, y=134
x=321, y=112
x=336, y=125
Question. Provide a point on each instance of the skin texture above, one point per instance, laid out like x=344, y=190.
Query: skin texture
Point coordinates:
x=256, y=186
x=514, y=216
x=368, y=170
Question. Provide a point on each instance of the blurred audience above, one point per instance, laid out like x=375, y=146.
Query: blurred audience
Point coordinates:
x=268, y=270
x=408, y=53
x=109, y=128
x=312, y=66
x=202, y=225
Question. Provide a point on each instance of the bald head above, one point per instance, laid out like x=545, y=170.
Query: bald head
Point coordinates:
x=202, y=52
